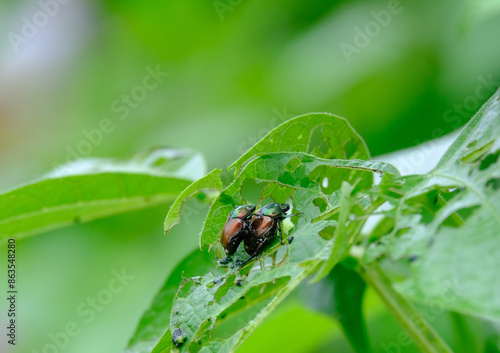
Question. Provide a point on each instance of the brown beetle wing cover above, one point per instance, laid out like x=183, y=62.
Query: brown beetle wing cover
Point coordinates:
x=261, y=226
x=231, y=235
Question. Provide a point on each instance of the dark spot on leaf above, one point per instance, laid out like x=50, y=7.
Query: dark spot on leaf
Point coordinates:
x=490, y=159
x=225, y=260
x=178, y=337
x=493, y=183
x=217, y=281
x=237, y=264
x=239, y=283
x=413, y=258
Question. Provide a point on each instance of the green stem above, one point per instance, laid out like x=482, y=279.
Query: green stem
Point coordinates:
x=403, y=311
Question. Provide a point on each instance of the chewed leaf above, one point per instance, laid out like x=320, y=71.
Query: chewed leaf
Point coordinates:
x=448, y=221
x=272, y=168
x=479, y=137
x=209, y=183
x=93, y=188
x=179, y=163
x=320, y=134
x=155, y=321
x=201, y=315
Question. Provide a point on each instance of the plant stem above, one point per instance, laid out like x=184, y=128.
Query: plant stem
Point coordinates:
x=403, y=311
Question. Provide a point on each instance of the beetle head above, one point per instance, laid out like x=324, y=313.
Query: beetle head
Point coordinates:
x=244, y=211
x=275, y=210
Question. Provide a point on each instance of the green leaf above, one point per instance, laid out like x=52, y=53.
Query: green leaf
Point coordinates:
x=320, y=134
x=206, y=307
x=210, y=182
x=201, y=311
x=348, y=293
x=91, y=189
x=155, y=321
x=447, y=222
x=219, y=310
x=340, y=295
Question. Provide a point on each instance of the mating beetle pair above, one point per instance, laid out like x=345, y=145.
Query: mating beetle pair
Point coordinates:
x=255, y=229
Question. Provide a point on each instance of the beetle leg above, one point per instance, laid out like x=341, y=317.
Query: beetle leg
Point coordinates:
x=255, y=254
x=249, y=259
x=281, y=233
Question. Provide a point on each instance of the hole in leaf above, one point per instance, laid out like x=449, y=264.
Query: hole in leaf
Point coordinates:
x=266, y=201
x=402, y=231
x=490, y=159
x=327, y=233
x=477, y=154
x=317, y=145
x=293, y=164
x=320, y=203
x=385, y=226
x=242, y=311
x=274, y=192
x=472, y=144
x=186, y=288
x=350, y=149
x=462, y=214
x=224, y=288
x=448, y=195
x=251, y=190
x=333, y=175
x=493, y=183
x=324, y=183
x=465, y=213
x=202, y=336
x=194, y=347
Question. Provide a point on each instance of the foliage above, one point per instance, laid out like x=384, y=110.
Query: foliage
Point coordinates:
x=445, y=222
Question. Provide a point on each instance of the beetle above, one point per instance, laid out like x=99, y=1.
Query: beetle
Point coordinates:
x=264, y=226
x=237, y=228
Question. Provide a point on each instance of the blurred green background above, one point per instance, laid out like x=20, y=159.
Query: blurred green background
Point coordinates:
x=78, y=82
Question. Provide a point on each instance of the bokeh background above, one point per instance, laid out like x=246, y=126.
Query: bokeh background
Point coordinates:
x=214, y=76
